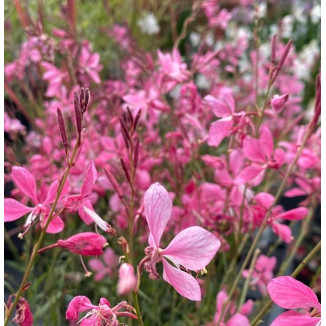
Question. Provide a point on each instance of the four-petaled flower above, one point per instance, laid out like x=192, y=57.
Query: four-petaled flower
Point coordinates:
x=102, y=314
x=13, y=209
x=191, y=249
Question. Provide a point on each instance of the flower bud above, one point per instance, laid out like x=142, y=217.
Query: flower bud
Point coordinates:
x=85, y=244
x=127, y=279
x=278, y=102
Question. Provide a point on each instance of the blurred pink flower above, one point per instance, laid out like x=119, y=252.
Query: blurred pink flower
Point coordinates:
x=127, y=279
x=104, y=269
x=263, y=272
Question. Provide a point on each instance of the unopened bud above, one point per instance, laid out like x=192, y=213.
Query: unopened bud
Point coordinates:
x=127, y=279
x=278, y=102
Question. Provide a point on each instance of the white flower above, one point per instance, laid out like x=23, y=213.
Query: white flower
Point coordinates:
x=262, y=8
x=287, y=24
x=202, y=82
x=148, y=24
x=194, y=38
x=315, y=14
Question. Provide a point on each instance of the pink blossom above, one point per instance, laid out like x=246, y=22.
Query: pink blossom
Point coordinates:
x=237, y=318
x=289, y=293
x=193, y=248
x=104, y=269
x=262, y=273
x=82, y=203
x=26, y=183
x=98, y=315
x=23, y=316
x=89, y=63
x=55, y=77
x=264, y=202
x=224, y=108
x=261, y=152
x=127, y=279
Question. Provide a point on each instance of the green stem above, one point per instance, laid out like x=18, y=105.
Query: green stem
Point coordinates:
x=246, y=285
x=39, y=242
x=296, y=272
x=136, y=303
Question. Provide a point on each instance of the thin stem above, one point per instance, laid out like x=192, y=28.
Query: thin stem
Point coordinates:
x=296, y=272
x=246, y=285
x=39, y=242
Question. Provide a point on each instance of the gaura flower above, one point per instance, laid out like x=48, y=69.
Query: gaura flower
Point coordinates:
x=191, y=249
x=13, y=209
x=23, y=316
x=104, y=269
x=289, y=293
x=102, y=314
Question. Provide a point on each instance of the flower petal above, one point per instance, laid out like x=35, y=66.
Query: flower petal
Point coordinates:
x=13, y=209
x=289, y=293
x=219, y=130
x=89, y=181
x=52, y=192
x=78, y=304
x=192, y=248
x=294, y=214
x=183, y=283
x=55, y=226
x=25, y=182
x=295, y=318
x=238, y=320
x=283, y=231
x=220, y=108
x=158, y=209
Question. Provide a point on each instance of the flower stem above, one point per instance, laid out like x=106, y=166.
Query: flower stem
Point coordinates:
x=246, y=285
x=296, y=272
x=39, y=242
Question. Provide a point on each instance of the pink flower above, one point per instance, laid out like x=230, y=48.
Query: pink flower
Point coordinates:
x=237, y=318
x=23, y=316
x=89, y=63
x=224, y=108
x=263, y=272
x=102, y=314
x=261, y=152
x=127, y=279
x=106, y=268
x=193, y=248
x=82, y=203
x=55, y=77
x=264, y=201
x=26, y=183
x=289, y=293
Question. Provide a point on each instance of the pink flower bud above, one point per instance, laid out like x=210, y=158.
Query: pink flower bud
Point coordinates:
x=127, y=279
x=85, y=244
x=278, y=102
